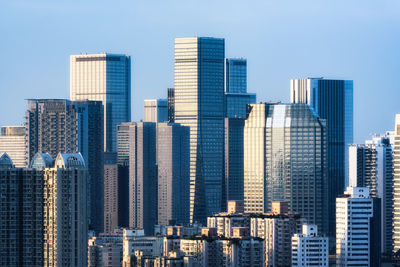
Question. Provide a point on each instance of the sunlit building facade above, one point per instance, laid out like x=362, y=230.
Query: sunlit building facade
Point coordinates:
x=199, y=103
x=285, y=161
x=396, y=186
x=155, y=110
x=12, y=141
x=332, y=100
x=106, y=78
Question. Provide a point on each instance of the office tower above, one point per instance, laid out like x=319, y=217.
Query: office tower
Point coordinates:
x=123, y=143
x=105, y=250
x=371, y=165
x=396, y=185
x=12, y=141
x=21, y=215
x=65, y=213
x=62, y=126
x=285, y=160
x=155, y=110
x=309, y=248
x=333, y=101
x=171, y=104
x=276, y=230
x=199, y=103
x=142, y=176
x=173, y=173
x=236, y=96
x=234, y=169
x=355, y=242
x=106, y=78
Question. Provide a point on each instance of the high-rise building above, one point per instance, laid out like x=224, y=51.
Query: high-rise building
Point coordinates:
x=371, y=165
x=171, y=105
x=12, y=141
x=332, y=100
x=356, y=244
x=173, y=173
x=234, y=168
x=396, y=185
x=285, y=160
x=106, y=78
x=123, y=143
x=236, y=96
x=155, y=110
x=21, y=215
x=62, y=126
x=65, y=212
x=111, y=192
x=199, y=103
x=142, y=176
x=309, y=248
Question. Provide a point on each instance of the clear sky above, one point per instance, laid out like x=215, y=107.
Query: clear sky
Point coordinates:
x=343, y=39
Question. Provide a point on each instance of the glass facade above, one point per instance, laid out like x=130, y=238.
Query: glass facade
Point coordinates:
x=104, y=77
x=333, y=101
x=12, y=141
x=199, y=103
x=285, y=160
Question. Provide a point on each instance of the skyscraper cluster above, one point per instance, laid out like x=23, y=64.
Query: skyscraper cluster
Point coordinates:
x=276, y=184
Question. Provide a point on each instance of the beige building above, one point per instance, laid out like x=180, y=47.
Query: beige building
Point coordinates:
x=396, y=186
x=12, y=141
x=65, y=212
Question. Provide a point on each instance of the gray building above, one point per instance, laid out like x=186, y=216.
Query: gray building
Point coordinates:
x=332, y=100
x=371, y=165
x=61, y=126
x=236, y=96
x=199, y=103
x=21, y=215
x=171, y=104
x=106, y=78
x=142, y=176
x=234, y=168
x=155, y=110
x=173, y=173
x=12, y=141
x=285, y=160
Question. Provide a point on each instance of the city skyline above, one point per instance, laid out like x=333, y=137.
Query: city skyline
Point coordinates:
x=362, y=41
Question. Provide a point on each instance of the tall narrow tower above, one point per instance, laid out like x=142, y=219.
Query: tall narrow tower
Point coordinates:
x=199, y=103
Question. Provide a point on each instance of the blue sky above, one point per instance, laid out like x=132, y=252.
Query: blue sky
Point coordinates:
x=358, y=40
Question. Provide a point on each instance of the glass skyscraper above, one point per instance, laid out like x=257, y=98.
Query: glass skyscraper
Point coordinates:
x=396, y=185
x=236, y=96
x=199, y=103
x=332, y=100
x=155, y=110
x=104, y=77
x=285, y=161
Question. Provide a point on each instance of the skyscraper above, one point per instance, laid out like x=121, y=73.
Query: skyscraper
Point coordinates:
x=234, y=168
x=285, y=160
x=62, y=126
x=355, y=242
x=155, y=110
x=142, y=176
x=371, y=165
x=21, y=215
x=65, y=224
x=173, y=173
x=107, y=78
x=332, y=100
x=236, y=96
x=12, y=141
x=396, y=185
x=199, y=103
